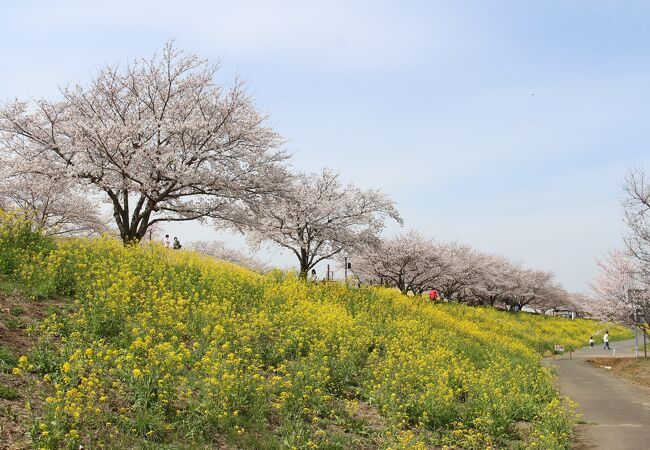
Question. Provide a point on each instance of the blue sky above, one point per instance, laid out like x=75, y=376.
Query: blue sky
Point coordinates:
x=505, y=125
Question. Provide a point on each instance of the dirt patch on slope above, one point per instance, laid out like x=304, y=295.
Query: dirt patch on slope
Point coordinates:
x=636, y=370
x=19, y=393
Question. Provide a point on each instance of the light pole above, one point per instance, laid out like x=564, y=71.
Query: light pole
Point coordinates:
x=636, y=336
x=635, y=320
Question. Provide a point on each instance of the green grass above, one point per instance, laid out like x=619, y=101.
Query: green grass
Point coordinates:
x=7, y=392
x=8, y=359
x=17, y=310
x=14, y=323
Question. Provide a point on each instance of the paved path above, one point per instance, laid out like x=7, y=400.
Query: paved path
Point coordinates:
x=615, y=412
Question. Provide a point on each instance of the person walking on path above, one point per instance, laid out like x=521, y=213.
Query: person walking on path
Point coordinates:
x=177, y=244
x=614, y=410
x=591, y=341
x=606, y=340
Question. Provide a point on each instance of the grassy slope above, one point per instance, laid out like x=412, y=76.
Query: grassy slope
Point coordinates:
x=19, y=314
x=635, y=370
x=171, y=349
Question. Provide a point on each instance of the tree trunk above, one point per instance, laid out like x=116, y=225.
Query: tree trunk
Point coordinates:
x=131, y=231
x=304, y=263
x=401, y=285
x=129, y=238
x=132, y=235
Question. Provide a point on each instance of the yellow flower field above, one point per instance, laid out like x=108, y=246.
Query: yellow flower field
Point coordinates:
x=169, y=349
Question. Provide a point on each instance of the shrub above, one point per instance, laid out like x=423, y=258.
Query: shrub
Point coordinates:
x=20, y=241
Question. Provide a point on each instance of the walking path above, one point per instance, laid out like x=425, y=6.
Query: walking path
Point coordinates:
x=615, y=412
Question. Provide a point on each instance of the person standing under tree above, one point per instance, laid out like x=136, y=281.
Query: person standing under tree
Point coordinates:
x=166, y=241
x=606, y=340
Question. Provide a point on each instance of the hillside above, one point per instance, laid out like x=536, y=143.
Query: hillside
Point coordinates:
x=145, y=347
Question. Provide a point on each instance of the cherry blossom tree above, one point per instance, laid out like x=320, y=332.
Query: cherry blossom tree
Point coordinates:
x=219, y=250
x=495, y=280
x=320, y=217
x=410, y=262
x=54, y=204
x=463, y=267
x=620, y=289
x=160, y=138
x=578, y=302
x=528, y=287
x=413, y=263
x=553, y=296
x=499, y=281
x=636, y=206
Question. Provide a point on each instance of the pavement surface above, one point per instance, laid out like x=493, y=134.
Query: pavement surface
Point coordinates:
x=615, y=412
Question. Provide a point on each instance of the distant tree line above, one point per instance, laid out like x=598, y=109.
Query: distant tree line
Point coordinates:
x=415, y=264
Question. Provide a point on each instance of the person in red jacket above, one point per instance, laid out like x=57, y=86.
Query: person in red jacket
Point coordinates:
x=433, y=295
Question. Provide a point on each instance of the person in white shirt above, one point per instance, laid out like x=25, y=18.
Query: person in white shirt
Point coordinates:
x=166, y=241
x=606, y=340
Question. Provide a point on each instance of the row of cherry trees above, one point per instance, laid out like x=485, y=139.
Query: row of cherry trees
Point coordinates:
x=621, y=290
x=415, y=264
x=219, y=250
x=162, y=139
